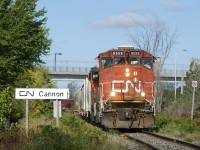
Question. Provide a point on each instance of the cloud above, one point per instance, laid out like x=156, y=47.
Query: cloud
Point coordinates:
x=141, y=8
x=172, y=5
x=122, y=20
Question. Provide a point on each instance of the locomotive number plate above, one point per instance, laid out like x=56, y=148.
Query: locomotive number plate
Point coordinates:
x=135, y=53
x=118, y=53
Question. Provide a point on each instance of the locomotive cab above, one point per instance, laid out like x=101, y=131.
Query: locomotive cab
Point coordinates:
x=127, y=74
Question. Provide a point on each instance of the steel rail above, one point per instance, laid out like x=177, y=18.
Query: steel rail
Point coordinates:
x=139, y=141
x=173, y=140
x=143, y=143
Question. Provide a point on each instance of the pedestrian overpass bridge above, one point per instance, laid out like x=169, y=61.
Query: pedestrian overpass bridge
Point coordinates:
x=72, y=71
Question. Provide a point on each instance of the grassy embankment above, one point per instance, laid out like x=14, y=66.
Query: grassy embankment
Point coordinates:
x=73, y=134
x=179, y=127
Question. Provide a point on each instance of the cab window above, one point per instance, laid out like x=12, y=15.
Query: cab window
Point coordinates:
x=106, y=62
x=133, y=61
x=146, y=62
x=119, y=60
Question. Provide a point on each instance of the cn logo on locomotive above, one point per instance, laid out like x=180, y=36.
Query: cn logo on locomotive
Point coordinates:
x=138, y=90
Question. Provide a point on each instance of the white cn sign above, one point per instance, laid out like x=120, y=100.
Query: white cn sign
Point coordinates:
x=194, y=83
x=41, y=93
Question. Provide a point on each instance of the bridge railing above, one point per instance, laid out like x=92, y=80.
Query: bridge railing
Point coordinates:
x=84, y=67
x=68, y=69
x=63, y=69
x=171, y=72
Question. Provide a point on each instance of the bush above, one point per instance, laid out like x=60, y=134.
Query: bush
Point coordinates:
x=186, y=126
x=162, y=120
x=86, y=136
x=74, y=134
x=10, y=138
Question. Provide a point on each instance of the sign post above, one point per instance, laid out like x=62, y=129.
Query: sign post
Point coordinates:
x=57, y=116
x=27, y=115
x=57, y=111
x=41, y=93
x=194, y=85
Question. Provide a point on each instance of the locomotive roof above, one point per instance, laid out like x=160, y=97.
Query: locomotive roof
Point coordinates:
x=126, y=49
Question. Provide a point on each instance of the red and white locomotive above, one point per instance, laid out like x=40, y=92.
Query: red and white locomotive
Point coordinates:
x=119, y=92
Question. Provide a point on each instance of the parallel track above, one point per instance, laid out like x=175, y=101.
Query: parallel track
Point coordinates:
x=194, y=146
x=158, y=142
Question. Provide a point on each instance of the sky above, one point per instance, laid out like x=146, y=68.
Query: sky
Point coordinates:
x=80, y=30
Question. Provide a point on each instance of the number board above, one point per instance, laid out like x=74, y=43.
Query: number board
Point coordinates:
x=134, y=53
x=118, y=53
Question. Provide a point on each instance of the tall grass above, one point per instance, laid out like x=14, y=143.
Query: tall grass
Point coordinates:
x=179, y=127
x=73, y=134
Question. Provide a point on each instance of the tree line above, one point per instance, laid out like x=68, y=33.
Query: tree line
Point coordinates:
x=24, y=38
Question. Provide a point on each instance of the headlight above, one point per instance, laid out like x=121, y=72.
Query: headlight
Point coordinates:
x=127, y=70
x=112, y=94
x=143, y=94
x=127, y=74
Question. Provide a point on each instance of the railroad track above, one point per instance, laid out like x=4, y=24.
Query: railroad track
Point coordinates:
x=158, y=142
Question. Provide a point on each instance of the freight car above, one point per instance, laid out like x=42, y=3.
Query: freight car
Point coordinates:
x=119, y=91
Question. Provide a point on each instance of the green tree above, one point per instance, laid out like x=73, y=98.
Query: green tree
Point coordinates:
x=13, y=110
x=5, y=106
x=36, y=78
x=182, y=106
x=73, y=87
x=40, y=79
x=23, y=38
x=193, y=75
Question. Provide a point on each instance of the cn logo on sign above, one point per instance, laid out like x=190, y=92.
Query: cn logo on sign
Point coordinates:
x=194, y=83
x=26, y=93
x=41, y=93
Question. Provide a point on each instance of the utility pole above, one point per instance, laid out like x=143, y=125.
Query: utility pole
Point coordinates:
x=55, y=60
x=175, y=60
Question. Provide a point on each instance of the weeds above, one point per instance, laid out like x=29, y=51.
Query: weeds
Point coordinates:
x=74, y=134
x=162, y=120
x=179, y=127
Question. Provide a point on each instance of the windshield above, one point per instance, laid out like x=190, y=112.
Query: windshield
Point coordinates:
x=133, y=61
x=106, y=62
x=119, y=60
x=146, y=62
